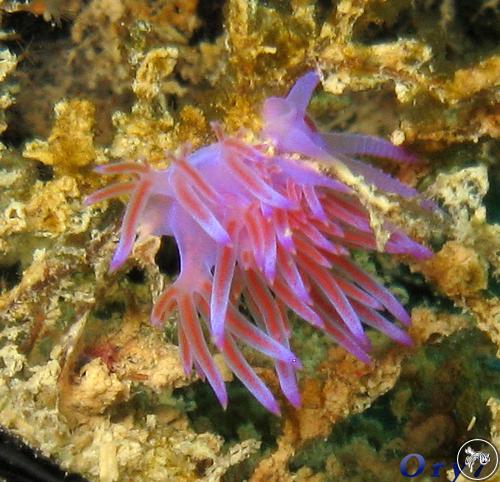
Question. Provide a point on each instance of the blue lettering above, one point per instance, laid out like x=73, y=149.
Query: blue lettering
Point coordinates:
x=403, y=466
x=456, y=471
x=436, y=468
x=477, y=473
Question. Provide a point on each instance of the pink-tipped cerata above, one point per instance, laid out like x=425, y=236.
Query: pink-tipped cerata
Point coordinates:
x=259, y=226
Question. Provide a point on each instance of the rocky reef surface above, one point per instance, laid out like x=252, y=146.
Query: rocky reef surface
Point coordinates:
x=85, y=379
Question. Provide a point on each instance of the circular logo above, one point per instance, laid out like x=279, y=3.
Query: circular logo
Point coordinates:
x=477, y=459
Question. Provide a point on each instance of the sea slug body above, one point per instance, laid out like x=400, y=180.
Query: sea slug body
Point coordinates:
x=257, y=221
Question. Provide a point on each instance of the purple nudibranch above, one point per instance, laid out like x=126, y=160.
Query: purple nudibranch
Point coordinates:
x=257, y=221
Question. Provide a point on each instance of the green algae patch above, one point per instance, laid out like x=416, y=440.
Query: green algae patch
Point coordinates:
x=439, y=400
